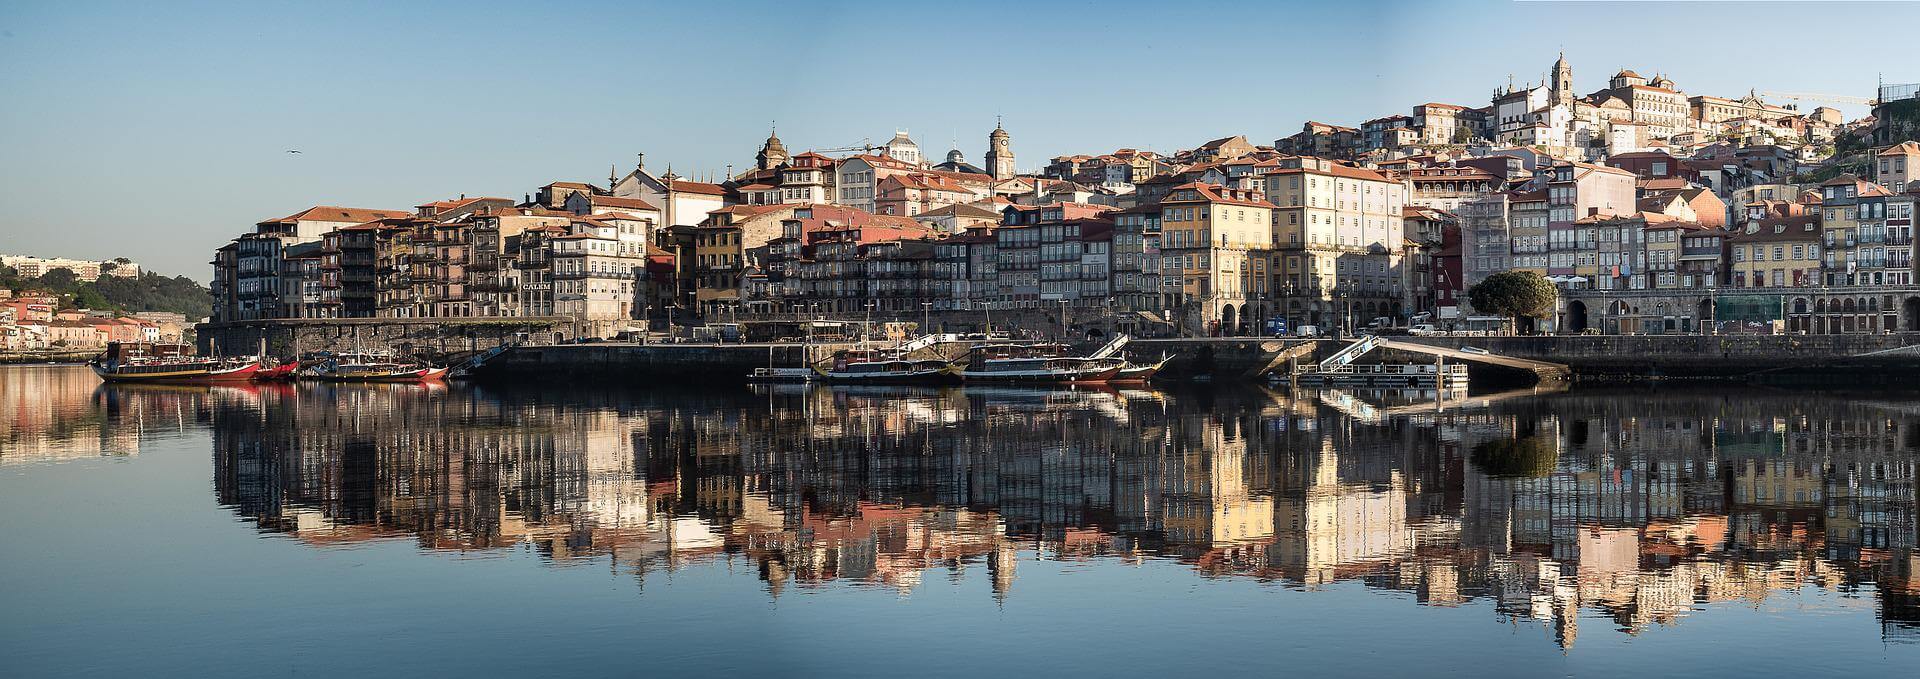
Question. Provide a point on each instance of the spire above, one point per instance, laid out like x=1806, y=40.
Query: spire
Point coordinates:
x=642, y=164
x=611, y=172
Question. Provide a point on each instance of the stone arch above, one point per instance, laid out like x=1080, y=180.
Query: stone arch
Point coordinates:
x=1799, y=305
x=1576, y=316
x=1848, y=305
x=1227, y=320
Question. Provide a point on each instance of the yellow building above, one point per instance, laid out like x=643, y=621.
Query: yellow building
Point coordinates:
x=1778, y=252
x=1213, y=247
x=1339, y=240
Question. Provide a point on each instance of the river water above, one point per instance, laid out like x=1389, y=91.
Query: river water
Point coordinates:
x=390, y=530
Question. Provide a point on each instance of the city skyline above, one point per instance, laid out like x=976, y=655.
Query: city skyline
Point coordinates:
x=388, y=123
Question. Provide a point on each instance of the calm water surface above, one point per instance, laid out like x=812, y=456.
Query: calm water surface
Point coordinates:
x=396, y=529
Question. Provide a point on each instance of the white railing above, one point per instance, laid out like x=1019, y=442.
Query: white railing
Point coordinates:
x=1352, y=352
x=1112, y=348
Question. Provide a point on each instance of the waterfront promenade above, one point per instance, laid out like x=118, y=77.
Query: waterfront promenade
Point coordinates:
x=1520, y=359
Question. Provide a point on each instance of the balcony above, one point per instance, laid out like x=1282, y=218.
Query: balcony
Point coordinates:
x=532, y=264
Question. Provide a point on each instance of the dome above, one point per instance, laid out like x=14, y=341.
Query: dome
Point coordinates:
x=1626, y=73
x=955, y=156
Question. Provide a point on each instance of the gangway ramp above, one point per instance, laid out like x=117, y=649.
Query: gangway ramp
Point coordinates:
x=1544, y=370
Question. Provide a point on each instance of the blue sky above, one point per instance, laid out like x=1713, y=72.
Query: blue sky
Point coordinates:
x=157, y=131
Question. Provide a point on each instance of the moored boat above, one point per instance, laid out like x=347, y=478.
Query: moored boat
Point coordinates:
x=167, y=363
x=1037, y=363
x=888, y=367
x=1133, y=374
x=277, y=373
x=375, y=367
x=782, y=375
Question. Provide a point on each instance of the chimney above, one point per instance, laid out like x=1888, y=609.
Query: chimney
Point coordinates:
x=1593, y=211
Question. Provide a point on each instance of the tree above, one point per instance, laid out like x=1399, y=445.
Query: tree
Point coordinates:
x=59, y=279
x=1514, y=294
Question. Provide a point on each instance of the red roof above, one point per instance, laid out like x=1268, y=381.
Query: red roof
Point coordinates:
x=684, y=186
x=612, y=201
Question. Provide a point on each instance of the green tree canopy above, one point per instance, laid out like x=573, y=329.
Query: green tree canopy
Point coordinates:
x=1514, y=294
x=59, y=279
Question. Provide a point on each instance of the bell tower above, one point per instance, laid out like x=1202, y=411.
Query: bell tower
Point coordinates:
x=1000, y=153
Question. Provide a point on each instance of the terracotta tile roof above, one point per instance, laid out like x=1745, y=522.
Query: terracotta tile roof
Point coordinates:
x=751, y=210
x=630, y=203
x=698, y=187
x=1337, y=170
x=1212, y=193
x=1663, y=184
x=1901, y=149
x=329, y=213
x=1800, y=227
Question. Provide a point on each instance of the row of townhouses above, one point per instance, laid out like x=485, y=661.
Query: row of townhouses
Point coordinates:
x=1635, y=187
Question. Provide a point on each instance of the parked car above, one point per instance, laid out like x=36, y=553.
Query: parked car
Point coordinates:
x=1307, y=331
x=1423, y=329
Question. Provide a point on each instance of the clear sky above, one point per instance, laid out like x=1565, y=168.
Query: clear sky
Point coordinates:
x=158, y=130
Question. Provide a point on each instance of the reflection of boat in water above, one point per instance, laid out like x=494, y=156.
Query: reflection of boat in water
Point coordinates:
x=888, y=367
x=167, y=363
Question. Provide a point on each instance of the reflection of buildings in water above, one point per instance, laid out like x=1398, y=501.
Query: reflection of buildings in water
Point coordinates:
x=52, y=413
x=1642, y=509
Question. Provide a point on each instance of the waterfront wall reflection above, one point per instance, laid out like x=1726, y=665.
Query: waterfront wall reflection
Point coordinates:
x=1640, y=507
x=61, y=413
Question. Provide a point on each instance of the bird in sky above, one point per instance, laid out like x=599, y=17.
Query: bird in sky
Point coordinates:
x=293, y=150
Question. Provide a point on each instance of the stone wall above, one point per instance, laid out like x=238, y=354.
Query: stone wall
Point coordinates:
x=436, y=338
x=1708, y=355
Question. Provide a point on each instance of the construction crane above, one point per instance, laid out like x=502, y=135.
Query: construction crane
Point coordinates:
x=1833, y=98
x=866, y=146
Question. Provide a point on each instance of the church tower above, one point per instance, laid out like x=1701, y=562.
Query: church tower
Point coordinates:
x=999, y=154
x=772, y=153
x=1562, y=81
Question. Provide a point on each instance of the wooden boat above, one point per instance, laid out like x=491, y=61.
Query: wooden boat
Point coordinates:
x=782, y=375
x=888, y=367
x=279, y=373
x=169, y=364
x=375, y=367
x=1133, y=374
x=1037, y=363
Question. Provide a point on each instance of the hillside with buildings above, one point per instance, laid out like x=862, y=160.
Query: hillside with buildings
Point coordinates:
x=1643, y=203
x=72, y=305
